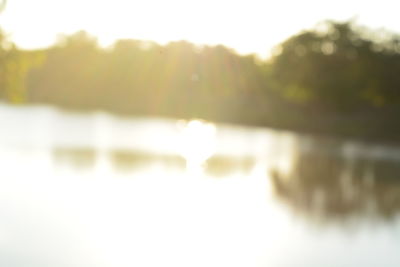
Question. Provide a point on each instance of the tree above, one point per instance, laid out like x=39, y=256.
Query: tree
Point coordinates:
x=14, y=67
x=340, y=68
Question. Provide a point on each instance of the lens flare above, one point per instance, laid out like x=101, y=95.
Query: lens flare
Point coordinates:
x=196, y=143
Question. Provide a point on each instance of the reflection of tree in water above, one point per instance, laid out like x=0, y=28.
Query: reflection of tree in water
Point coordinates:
x=131, y=160
x=223, y=166
x=77, y=158
x=325, y=185
x=120, y=160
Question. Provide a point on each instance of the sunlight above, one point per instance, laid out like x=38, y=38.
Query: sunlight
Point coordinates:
x=247, y=26
x=196, y=142
x=160, y=21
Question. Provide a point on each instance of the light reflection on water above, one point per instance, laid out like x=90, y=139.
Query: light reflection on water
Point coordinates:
x=196, y=143
x=96, y=190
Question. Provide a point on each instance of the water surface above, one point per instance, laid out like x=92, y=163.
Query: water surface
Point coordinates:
x=100, y=190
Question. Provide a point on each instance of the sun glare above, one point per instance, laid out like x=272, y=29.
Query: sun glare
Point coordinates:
x=196, y=143
x=250, y=26
x=205, y=22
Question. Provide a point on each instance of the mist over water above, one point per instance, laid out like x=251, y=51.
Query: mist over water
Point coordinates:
x=99, y=190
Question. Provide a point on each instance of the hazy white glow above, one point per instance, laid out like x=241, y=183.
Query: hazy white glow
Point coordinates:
x=159, y=216
x=247, y=26
x=196, y=142
x=154, y=217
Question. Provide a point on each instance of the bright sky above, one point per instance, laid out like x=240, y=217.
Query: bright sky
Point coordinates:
x=248, y=26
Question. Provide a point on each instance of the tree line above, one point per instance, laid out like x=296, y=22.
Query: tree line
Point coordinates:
x=337, y=78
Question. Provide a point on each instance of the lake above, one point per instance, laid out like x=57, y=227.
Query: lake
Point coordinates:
x=93, y=189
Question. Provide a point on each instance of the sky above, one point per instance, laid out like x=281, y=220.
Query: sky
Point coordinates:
x=248, y=26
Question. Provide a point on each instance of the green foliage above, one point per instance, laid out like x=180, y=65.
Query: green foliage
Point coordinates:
x=338, y=68
x=138, y=77
x=14, y=66
x=338, y=79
